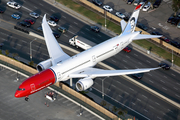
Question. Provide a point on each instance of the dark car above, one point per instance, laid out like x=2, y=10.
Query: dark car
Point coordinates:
x=155, y=33
x=56, y=35
x=95, y=28
x=157, y=3
x=176, y=44
x=62, y=29
x=97, y=2
x=54, y=18
x=39, y=29
x=170, y=19
x=130, y=2
x=137, y=75
x=31, y=21
x=164, y=66
x=1, y=10
x=25, y=24
x=164, y=39
x=142, y=26
x=127, y=49
x=175, y=21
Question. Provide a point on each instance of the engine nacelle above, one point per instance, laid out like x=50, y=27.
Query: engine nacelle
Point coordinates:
x=84, y=84
x=44, y=65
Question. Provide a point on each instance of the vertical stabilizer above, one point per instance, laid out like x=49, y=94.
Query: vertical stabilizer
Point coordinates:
x=130, y=26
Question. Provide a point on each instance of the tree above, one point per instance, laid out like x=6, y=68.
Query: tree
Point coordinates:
x=31, y=63
x=114, y=109
x=14, y=55
x=0, y=51
x=103, y=103
x=175, y=6
x=7, y=52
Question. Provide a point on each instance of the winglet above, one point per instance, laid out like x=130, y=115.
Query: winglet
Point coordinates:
x=44, y=18
x=138, y=7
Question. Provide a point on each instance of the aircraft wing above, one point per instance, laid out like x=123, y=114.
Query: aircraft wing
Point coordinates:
x=141, y=36
x=94, y=72
x=55, y=52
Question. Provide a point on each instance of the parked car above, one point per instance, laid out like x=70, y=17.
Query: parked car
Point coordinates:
x=142, y=4
x=62, y=29
x=170, y=19
x=178, y=26
x=142, y=26
x=165, y=39
x=56, y=35
x=1, y=10
x=97, y=2
x=136, y=2
x=52, y=23
x=54, y=18
x=127, y=49
x=120, y=15
x=164, y=66
x=31, y=21
x=130, y=2
x=155, y=33
x=157, y=3
x=39, y=29
x=15, y=16
x=175, y=44
x=178, y=15
x=14, y=5
x=175, y=21
x=147, y=6
x=108, y=8
x=25, y=24
x=95, y=28
x=137, y=75
x=34, y=15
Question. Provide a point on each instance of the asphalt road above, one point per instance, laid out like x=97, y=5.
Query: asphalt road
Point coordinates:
x=165, y=82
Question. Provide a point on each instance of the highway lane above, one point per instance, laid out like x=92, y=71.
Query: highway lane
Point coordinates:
x=67, y=43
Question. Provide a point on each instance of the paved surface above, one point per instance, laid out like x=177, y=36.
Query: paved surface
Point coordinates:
x=19, y=44
x=35, y=109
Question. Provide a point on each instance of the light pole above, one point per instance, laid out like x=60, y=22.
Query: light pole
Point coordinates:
x=103, y=87
x=105, y=18
x=172, y=56
x=30, y=48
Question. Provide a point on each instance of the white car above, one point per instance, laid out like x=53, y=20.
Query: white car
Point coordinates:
x=147, y=6
x=13, y=5
x=52, y=23
x=119, y=14
x=142, y=4
x=108, y=8
x=33, y=14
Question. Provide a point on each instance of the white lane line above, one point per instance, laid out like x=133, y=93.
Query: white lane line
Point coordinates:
x=170, y=110
x=19, y=44
x=75, y=23
x=99, y=35
x=157, y=103
x=131, y=89
x=70, y=104
x=118, y=82
x=151, y=106
x=140, y=63
x=70, y=26
x=162, y=81
x=164, y=88
x=127, y=56
x=158, y=117
x=65, y=35
x=148, y=61
x=93, y=38
x=27, y=8
x=120, y=96
x=52, y=10
x=108, y=89
x=82, y=32
x=124, y=61
x=71, y=32
x=133, y=103
x=177, y=95
x=144, y=96
x=126, y=93
x=40, y=4
x=63, y=16
x=173, y=75
x=125, y=67
x=138, y=99
x=114, y=61
x=175, y=88
x=35, y=7
x=149, y=74
x=87, y=29
x=136, y=67
x=165, y=76
x=145, y=110
x=135, y=54
x=151, y=81
x=113, y=86
x=66, y=101
x=3, y=39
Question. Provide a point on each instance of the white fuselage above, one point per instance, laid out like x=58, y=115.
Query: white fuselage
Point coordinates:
x=92, y=56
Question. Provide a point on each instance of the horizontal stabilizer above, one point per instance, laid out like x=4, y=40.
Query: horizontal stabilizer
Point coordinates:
x=141, y=36
x=123, y=24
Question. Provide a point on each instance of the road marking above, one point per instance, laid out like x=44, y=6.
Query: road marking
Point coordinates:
x=35, y=7
x=27, y=8
x=138, y=99
x=40, y=4
x=70, y=104
x=114, y=61
x=135, y=54
x=151, y=81
x=144, y=96
x=63, y=16
x=124, y=61
x=140, y=63
x=165, y=76
x=108, y=89
x=164, y=88
x=131, y=89
x=66, y=101
x=162, y=81
x=87, y=29
x=177, y=95
x=178, y=83
x=71, y=32
x=52, y=10
x=125, y=67
x=75, y=23
x=151, y=106
x=175, y=88
x=170, y=110
x=145, y=110
x=133, y=103
x=173, y=74
x=136, y=67
x=149, y=74
x=120, y=96
x=118, y=82
x=126, y=93
x=82, y=32
x=148, y=61
x=158, y=117
x=113, y=85
x=99, y=35
x=65, y=35
x=157, y=103
x=127, y=56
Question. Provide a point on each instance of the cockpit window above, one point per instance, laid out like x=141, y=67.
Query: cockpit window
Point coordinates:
x=21, y=89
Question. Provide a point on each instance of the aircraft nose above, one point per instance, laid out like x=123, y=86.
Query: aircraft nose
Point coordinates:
x=17, y=95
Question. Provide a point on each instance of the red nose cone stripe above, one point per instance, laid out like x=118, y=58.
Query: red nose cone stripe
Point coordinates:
x=138, y=7
x=36, y=83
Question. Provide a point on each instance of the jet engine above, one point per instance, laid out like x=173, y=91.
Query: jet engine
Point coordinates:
x=44, y=65
x=84, y=84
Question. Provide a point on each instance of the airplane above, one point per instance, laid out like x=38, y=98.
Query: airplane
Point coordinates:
x=61, y=67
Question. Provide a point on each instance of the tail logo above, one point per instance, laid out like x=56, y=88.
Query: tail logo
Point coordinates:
x=132, y=23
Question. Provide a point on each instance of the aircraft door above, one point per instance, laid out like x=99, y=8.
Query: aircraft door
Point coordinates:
x=94, y=58
x=33, y=88
x=59, y=76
